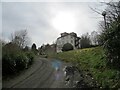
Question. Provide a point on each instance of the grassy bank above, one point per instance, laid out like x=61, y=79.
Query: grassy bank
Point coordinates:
x=92, y=60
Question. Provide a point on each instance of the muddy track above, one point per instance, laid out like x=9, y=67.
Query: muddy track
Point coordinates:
x=42, y=74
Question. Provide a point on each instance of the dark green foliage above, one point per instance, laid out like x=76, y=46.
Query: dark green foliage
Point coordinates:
x=11, y=47
x=30, y=55
x=21, y=61
x=85, y=41
x=8, y=66
x=111, y=43
x=26, y=49
x=14, y=59
x=8, y=58
x=67, y=47
x=110, y=36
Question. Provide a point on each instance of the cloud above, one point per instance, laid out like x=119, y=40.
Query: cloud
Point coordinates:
x=57, y=0
x=36, y=17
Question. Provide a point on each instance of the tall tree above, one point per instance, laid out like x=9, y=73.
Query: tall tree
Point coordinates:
x=85, y=41
x=33, y=47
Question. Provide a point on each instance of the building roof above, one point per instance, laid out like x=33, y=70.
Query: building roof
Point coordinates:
x=66, y=34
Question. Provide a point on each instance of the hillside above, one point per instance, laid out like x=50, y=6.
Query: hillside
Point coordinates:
x=91, y=61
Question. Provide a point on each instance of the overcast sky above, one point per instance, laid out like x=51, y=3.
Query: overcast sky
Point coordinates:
x=45, y=21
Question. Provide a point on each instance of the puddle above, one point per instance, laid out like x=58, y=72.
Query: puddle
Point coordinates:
x=56, y=64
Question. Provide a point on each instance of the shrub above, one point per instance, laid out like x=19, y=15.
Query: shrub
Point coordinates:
x=21, y=61
x=111, y=34
x=67, y=47
x=30, y=56
x=8, y=58
x=8, y=65
x=15, y=60
x=111, y=43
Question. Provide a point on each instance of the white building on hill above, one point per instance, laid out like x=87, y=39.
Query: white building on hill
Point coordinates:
x=67, y=38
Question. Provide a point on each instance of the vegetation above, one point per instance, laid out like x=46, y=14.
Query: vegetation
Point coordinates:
x=20, y=38
x=92, y=60
x=94, y=38
x=15, y=57
x=67, y=47
x=26, y=49
x=85, y=41
x=110, y=36
x=111, y=40
x=33, y=48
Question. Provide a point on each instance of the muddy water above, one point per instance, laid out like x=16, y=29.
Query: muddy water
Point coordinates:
x=60, y=76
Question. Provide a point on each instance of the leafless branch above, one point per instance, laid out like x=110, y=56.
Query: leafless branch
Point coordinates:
x=95, y=10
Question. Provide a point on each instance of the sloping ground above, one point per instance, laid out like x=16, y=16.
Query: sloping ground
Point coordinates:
x=92, y=64
x=41, y=74
x=11, y=82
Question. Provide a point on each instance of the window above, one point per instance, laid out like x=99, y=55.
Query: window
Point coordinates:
x=71, y=41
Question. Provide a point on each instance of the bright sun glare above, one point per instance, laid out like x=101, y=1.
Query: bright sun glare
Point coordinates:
x=64, y=22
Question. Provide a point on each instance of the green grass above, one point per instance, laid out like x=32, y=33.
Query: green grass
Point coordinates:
x=92, y=60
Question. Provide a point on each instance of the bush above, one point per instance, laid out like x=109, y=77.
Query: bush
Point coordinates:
x=30, y=56
x=15, y=60
x=8, y=58
x=111, y=43
x=21, y=61
x=8, y=65
x=67, y=47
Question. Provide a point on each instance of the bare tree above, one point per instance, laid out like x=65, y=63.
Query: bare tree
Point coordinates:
x=112, y=13
x=94, y=38
x=20, y=38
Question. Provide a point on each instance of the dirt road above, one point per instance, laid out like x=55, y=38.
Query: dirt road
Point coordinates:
x=42, y=74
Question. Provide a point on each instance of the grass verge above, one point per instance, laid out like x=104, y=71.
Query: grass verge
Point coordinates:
x=92, y=61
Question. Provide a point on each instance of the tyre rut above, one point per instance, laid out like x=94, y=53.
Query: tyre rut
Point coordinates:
x=30, y=80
